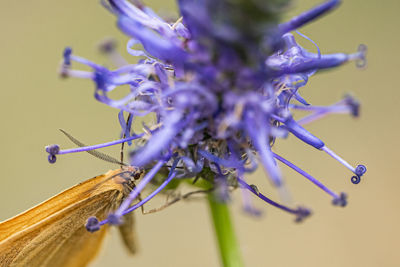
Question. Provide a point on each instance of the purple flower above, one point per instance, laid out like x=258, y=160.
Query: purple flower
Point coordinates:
x=221, y=84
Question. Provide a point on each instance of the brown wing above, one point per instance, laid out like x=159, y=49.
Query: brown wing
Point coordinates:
x=128, y=234
x=53, y=233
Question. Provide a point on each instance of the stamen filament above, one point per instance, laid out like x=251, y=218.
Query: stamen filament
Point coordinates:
x=155, y=192
x=342, y=161
x=247, y=201
x=306, y=175
x=266, y=199
x=88, y=148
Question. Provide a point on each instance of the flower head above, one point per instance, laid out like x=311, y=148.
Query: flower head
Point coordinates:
x=222, y=83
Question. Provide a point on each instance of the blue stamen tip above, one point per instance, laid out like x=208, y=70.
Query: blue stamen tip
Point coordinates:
x=361, y=62
x=341, y=200
x=52, y=159
x=53, y=150
x=108, y=45
x=67, y=55
x=114, y=219
x=355, y=179
x=353, y=104
x=360, y=170
x=301, y=214
x=92, y=224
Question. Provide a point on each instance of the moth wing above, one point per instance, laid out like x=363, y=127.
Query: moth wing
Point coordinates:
x=57, y=203
x=53, y=233
x=128, y=233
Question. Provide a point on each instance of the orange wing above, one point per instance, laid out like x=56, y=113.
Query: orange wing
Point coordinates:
x=53, y=233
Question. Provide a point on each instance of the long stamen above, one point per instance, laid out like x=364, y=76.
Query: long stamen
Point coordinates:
x=93, y=224
x=313, y=180
x=348, y=105
x=247, y=201
x=359, y=170
x=155, y=192
x=171, y=175
x=308, y=16
x=301, y=212
x=146, y=199
x=112, y=143
x=54, y=150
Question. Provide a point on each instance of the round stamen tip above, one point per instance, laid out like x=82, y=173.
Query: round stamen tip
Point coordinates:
x=361, y=61
x=353, y=104
x=52, y=159
x=67, y=55
x=301, y=214
x=360, y=170
x=341, y=200
x=92, y=224
x=355, y=179
x=114, y=219
x=53, y=151
x=108, y=45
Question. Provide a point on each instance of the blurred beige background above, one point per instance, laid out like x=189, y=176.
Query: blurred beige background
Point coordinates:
x=35, y=103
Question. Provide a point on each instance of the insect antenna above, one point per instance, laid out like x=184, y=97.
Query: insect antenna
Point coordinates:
x=176, y=199
x=128, y=129
x=95, y=153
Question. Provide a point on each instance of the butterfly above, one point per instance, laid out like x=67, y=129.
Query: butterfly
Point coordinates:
x=53, y=233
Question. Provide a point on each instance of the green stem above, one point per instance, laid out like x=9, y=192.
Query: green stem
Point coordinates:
x=228, y=245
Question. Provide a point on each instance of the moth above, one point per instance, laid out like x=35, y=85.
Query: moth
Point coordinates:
x=53, y=233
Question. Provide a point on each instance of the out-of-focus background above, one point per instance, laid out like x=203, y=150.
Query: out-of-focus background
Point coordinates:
x=35, y=103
